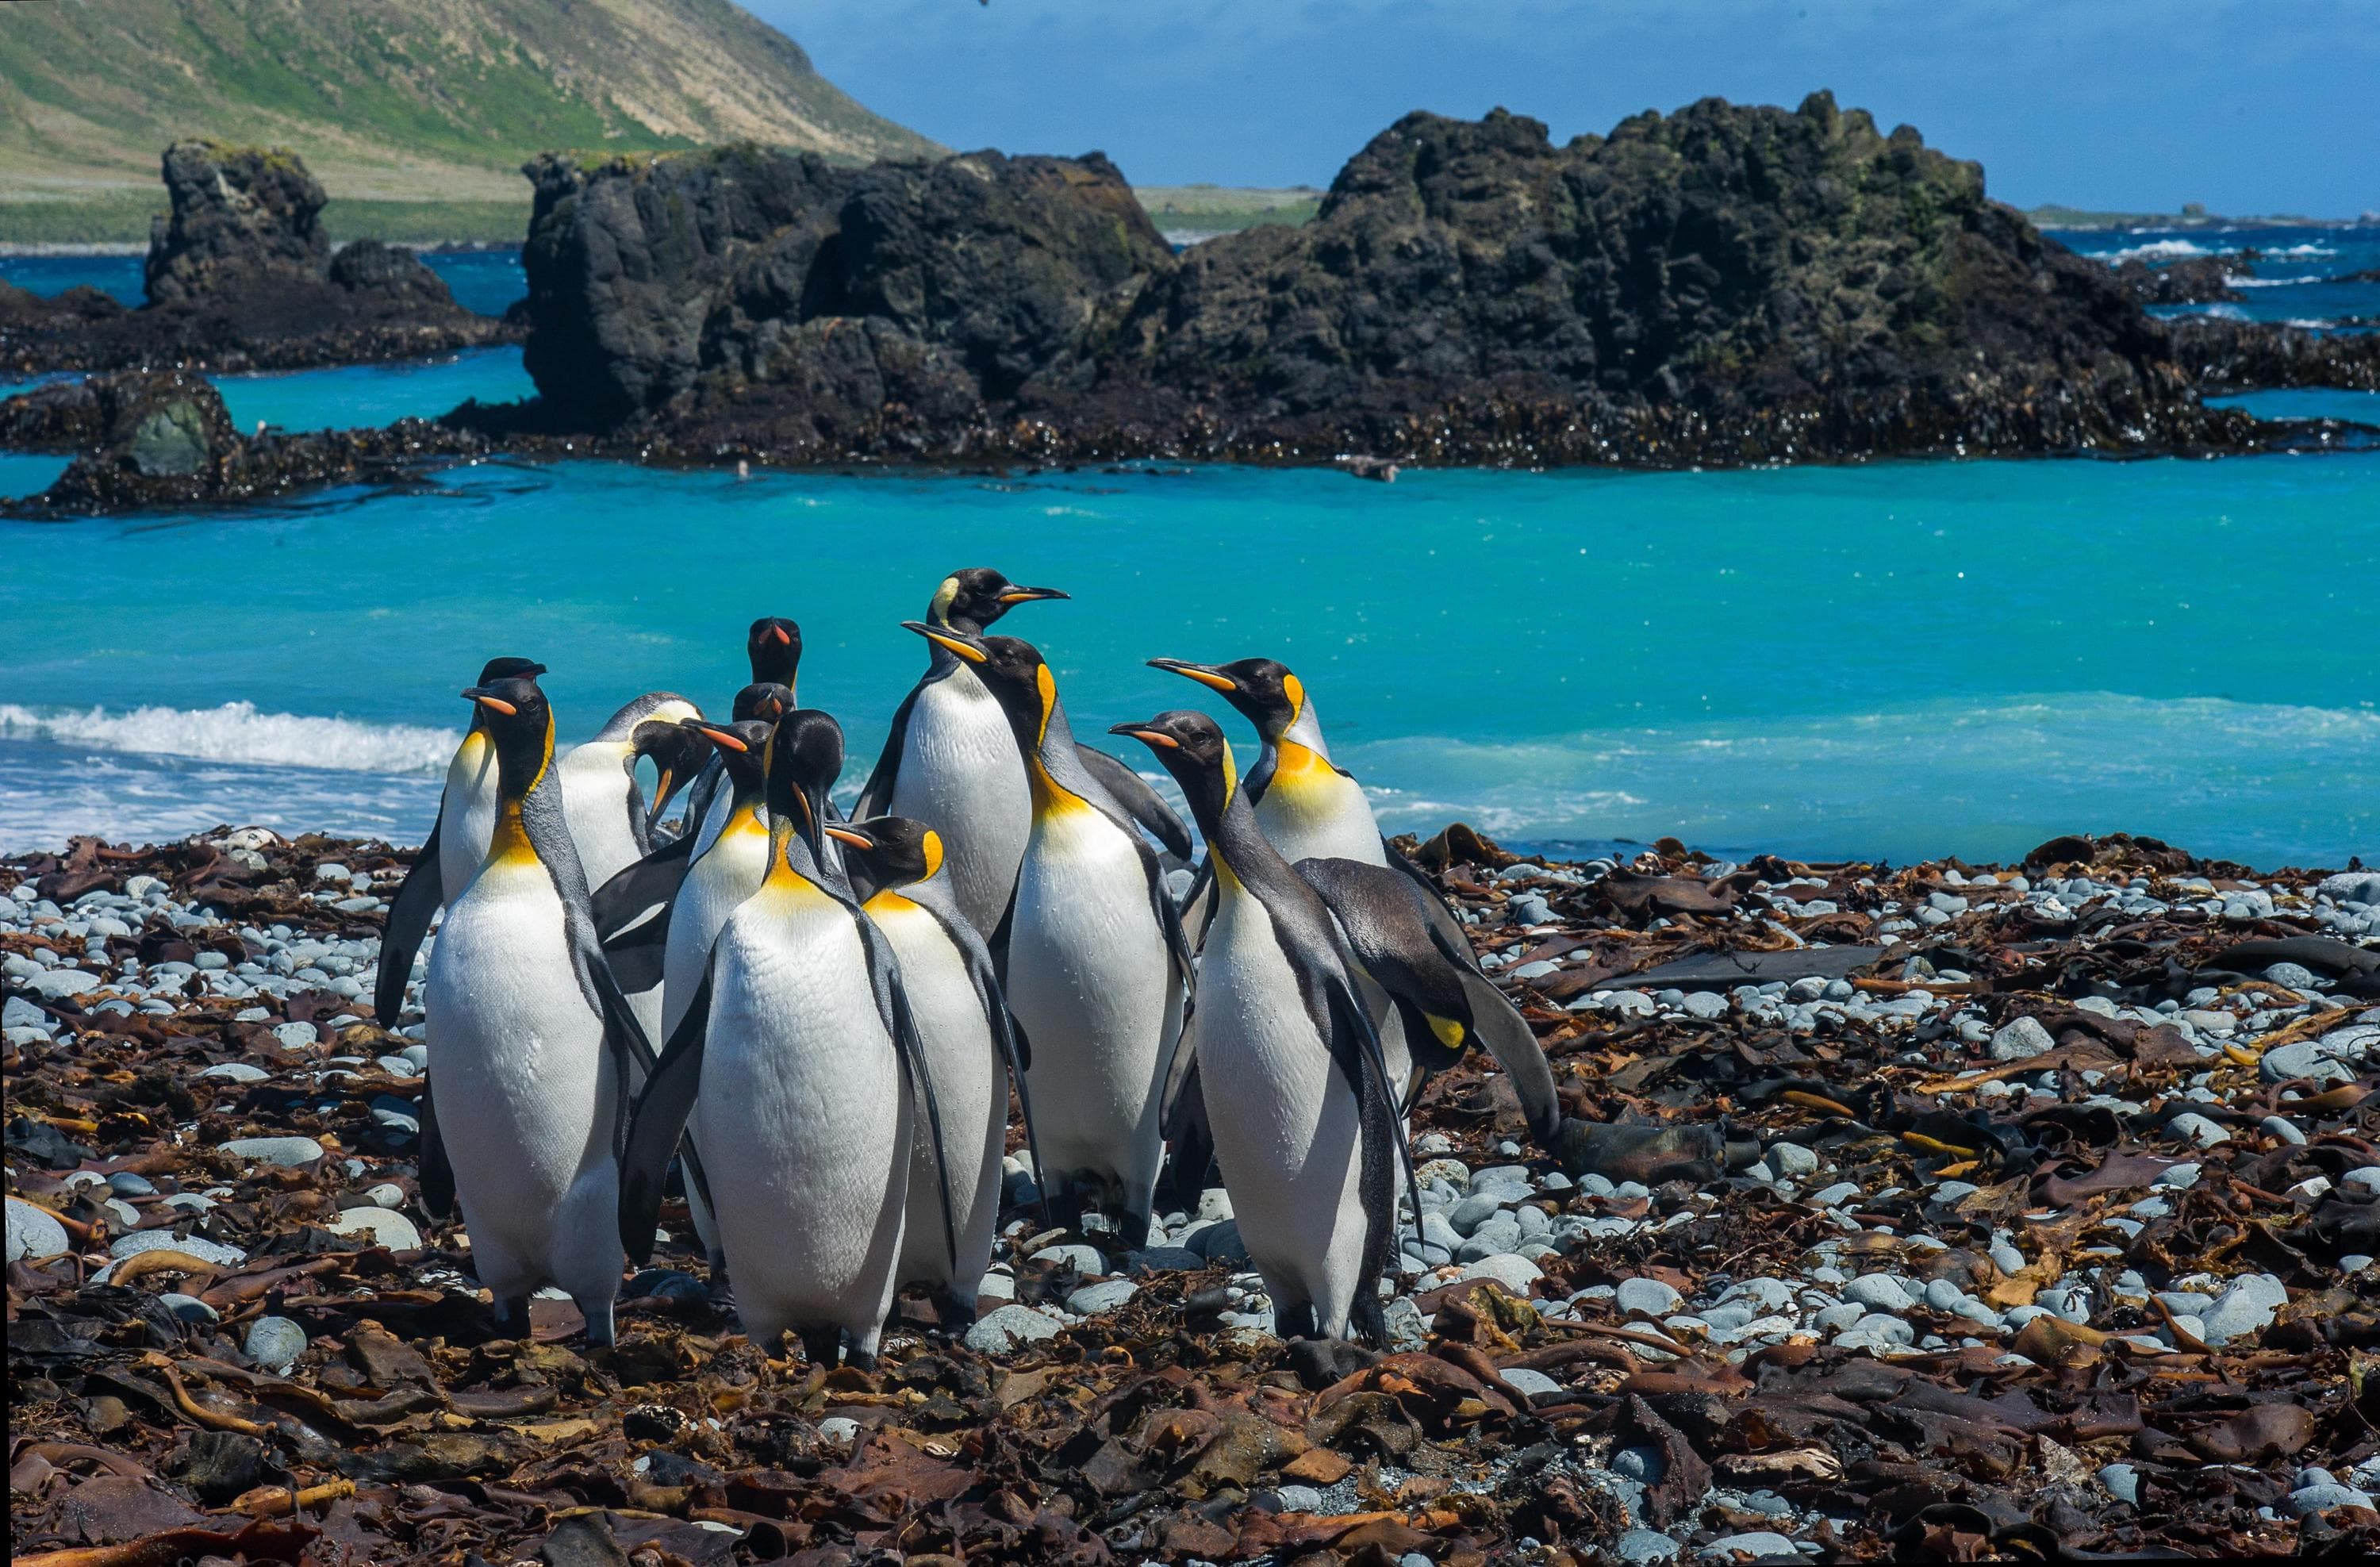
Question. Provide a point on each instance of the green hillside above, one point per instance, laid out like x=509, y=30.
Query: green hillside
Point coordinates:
x=415, y=115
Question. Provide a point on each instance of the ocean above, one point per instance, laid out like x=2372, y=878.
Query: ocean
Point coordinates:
x=1895, y=660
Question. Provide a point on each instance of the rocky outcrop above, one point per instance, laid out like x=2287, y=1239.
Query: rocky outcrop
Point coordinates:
x=1724, y=284
x=163, y=438
x=2247, y=356
x=240, y=277
x=2194, y=280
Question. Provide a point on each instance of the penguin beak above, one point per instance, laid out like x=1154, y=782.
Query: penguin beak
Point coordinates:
x=851, y=835
x=1204, y=674
x=963, y=645
x=1153, y=738
x=491, y=702
x=725, y=739
x=665, y=789
x=1025, y=595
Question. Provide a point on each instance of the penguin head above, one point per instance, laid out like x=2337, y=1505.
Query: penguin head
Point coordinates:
x=495, y=670
x=803, y=760
x=774, y=645
x=1267, y=694
x=972, y=598
x=763, y=700
x=1012, y=670
x=1191, y=747
x=515, y=716
x=742, y=746
x=891, y=851
x=677, y=753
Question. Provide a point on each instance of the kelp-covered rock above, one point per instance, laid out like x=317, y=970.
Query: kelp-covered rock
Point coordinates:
x=1723, y=285
x=163, y=438
x=241, y=277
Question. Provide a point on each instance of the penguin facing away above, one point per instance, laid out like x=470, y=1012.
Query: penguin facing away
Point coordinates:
x=1097, y=971
x=609, y=819
x=1302, y=1103
x=971, y=1048
x=798, y=1054
x=531, y=1042
x=948, y=762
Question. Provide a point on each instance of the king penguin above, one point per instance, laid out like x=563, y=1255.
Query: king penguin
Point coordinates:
x=798, y=1054
x=609, y=819
x=970, y=1049
x=948, y=762
x=1305, y=1113
x=1306, y=803
x=531, y=1042
x=1096, y=967
x=457, y=842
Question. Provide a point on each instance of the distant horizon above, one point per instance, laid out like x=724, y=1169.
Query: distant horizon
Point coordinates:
x=2107, y=107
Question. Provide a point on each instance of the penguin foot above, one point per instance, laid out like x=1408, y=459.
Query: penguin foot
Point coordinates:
x=1294, y=1322
x=1321, y=1362
x=823, y=1346
x=512, y=1315
x=721, y=1289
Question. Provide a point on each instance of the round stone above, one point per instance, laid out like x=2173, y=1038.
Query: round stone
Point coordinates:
x=289, y=1152
x=33, y=1232
x=275, y=1342
x=383, y=1226
x=1008, y=1328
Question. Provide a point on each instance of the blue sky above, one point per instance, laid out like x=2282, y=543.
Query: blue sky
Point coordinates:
x=2132, y=104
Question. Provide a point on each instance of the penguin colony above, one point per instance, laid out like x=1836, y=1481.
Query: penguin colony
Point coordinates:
x=817, y=1022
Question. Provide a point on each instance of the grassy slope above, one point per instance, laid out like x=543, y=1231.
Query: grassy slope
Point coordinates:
x=423, y=109
x=1219, y=209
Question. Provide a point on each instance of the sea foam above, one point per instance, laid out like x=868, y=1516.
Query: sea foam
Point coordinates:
x=237, y=731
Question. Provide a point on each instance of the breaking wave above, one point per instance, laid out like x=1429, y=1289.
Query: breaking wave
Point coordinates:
x=2156, y=250
x=237, y=731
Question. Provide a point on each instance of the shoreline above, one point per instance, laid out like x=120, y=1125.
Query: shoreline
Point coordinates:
x=1998, y=1152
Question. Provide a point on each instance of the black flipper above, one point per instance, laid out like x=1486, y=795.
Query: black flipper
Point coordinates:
x=639, y=886
x=893, y=1006
x=876, y=795
x=657, y=1126
x=409, y=913
x=1007, y=1036
x=432, y=1173
x=1143, y=804
x=1409, y=944
x=1355, y=1049
x=624, y=1037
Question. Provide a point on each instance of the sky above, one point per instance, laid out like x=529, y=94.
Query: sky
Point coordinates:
x=2135, y=106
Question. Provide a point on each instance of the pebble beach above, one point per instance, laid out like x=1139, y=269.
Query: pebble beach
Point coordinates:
x=1971, y=1210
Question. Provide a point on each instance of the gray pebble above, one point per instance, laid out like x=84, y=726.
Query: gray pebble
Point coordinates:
x=275, y=1342
x=33, y=1232
x=1646, y=1297
x=1092, y=1299
x=286, y=1151
x=196, y=1245
x=842, y=1430
x=1879, y=1291
x=2123, y=1482
x=1007, y=1328
x=1641, y=1547
x=2246, y=1306
x=2021, y=1039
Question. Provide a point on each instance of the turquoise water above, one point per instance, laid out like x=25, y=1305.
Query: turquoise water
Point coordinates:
x=355, y=395
x=1901, y=658
x=2306, y=402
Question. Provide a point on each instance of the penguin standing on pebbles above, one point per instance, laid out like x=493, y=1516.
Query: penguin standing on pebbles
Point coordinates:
x=531, y=1040
x=1304, y=1111
x=971, y=1048
x=1096, y=971
x=798, y=1054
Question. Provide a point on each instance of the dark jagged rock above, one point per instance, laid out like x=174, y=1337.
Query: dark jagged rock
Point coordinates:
x=2246, y=356
x=2194, y=280
x=1723, y=285
x=240, y=277
x=163, y=438
x=241, y=218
